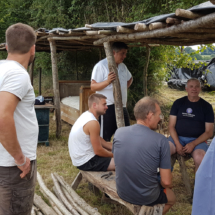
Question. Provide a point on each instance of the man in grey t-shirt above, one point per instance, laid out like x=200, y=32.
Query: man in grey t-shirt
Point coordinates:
x=138, y=152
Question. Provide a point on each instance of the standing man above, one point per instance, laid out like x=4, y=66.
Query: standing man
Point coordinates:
x=18, y=123
x=101, y=82
x=191, y=123
x=138, y=152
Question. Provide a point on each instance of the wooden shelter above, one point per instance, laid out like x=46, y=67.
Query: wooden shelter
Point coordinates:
x=183, y=28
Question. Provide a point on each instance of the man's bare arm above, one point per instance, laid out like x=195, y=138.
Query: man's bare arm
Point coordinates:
x=95, y=86
x=174, y=135
x=8, y=136
x=92, y=128
x=166, y=178
x=106, y=145
x=209, y=127
x=129, y=82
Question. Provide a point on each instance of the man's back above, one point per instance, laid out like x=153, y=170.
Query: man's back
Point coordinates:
x=138, y=152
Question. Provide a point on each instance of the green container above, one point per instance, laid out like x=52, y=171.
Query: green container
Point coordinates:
x=43, y=122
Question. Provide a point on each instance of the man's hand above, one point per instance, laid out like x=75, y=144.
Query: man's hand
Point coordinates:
x=179, y=149
x=189, y=148
x=111, y=77
x=25, y=168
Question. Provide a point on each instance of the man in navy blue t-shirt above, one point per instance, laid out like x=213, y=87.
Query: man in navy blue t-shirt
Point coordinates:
x=191, y=123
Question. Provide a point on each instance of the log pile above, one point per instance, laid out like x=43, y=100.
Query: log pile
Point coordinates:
x=65, y=201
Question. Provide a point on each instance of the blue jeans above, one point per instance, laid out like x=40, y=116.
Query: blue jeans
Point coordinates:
x=185, y=140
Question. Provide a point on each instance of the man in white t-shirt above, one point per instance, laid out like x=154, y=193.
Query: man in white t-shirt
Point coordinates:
x=18, y=123
x=101, y=82
x=88, y=151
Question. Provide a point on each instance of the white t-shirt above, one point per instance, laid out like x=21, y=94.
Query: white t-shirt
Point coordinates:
x=100, y=74
x=80, y=146
x=15, y=79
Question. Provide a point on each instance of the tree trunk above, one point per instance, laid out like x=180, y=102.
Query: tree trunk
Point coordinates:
x=145, y=71
x=56, y=87
x=116, y=86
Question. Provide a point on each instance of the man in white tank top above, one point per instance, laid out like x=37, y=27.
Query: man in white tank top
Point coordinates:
x=87, y=149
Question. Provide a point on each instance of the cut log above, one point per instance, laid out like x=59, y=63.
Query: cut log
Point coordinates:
x=64, y=199
x=33, y=211
x=157, y=25
x=55, y=208
x=55, y=86
x=171, y=20
x=76, y=181
x=106, y=32
x=88, y=26
x=43, y=206
x=116, y=86
x=187, y=14
x=71, y=200
x=77, y=199
x=91, y=33
x=57, y=194
x=121, y=29
x=51, y=196
x=189, y=25
x=141, y=27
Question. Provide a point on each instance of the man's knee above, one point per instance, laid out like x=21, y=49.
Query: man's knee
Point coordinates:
x=198, y=156
x=111, y=166
x=172, y=148
x=171, y=198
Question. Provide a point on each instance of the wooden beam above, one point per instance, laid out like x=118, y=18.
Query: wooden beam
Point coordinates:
x=55, y=86
x=157, y=25
x=116, y=86
x=141, y=27
x=31, y=72
x=187, y=14
x=145, y=73
x=175, y=29
x=121, y=29
x=40, y=77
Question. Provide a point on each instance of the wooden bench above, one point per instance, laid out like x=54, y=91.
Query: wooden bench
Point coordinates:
x=108, y=186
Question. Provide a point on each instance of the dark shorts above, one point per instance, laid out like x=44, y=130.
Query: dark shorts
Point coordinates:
x=16, y=194
x=96, y=163
x=162, y=199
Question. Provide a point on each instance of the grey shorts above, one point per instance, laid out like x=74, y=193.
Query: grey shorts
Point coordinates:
x=16, y=194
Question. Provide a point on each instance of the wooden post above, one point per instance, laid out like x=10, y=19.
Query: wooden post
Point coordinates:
x=31, y=72
x=116, y=86
x=76, y=65
x=100, y=54
x=40, y=74
x=145, y=71
x=55, y=86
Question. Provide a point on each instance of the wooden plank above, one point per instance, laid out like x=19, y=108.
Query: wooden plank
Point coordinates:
x=108, y=186
x=55, y=87
x=69, y=114
x=85, y=92
x=76, y=181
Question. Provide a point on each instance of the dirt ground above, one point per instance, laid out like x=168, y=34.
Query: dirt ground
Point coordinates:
x=55, y=158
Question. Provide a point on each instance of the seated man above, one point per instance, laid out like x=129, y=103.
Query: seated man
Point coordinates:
x=138, y=153
x=87, y=149
x=191, y=123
